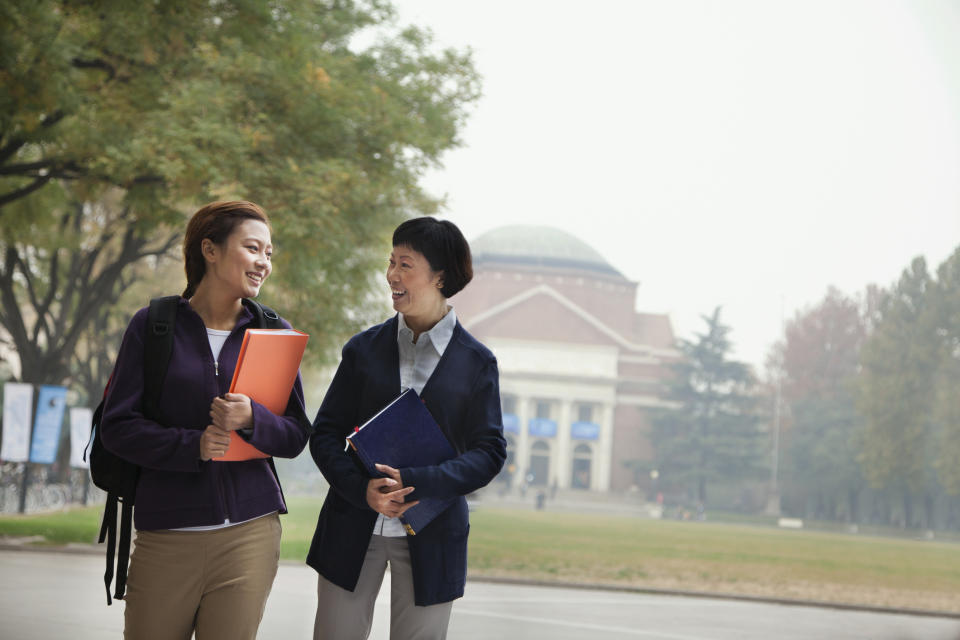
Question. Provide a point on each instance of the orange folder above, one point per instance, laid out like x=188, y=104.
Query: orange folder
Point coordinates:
x=266, y=370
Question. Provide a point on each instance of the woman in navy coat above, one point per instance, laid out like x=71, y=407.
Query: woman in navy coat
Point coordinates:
x=422, y=347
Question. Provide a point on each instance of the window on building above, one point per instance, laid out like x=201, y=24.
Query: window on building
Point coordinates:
x=539, y=471
x=544, y=409
x=508, y=404
x=581, y=468
x=585, y=413
x=509, y=466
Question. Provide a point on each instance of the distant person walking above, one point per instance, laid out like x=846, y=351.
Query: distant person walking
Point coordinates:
x=425, y=348
x=208, y=535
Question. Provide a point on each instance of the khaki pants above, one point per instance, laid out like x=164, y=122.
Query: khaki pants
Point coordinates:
x=215, y=582
x=348, y=615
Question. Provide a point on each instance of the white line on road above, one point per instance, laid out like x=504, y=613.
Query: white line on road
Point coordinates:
x=581, y=625
x=598, y=601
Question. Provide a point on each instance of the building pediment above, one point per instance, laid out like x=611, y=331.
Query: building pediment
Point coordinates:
x=541, y=313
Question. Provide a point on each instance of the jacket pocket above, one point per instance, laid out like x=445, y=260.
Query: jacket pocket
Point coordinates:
x=454, y=556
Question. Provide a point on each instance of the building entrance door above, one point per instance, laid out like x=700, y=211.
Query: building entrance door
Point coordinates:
x=539, y=464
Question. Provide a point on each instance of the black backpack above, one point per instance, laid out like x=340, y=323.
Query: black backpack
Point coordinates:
x=115, y=475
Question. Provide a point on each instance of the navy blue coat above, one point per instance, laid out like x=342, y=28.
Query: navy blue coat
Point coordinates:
x=463, y=395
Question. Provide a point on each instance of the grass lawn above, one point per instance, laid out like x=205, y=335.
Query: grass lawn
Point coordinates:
x=630, y=551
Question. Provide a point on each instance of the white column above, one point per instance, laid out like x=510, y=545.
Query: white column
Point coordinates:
x=603, y=451
x=562, y=455
x=524, y=411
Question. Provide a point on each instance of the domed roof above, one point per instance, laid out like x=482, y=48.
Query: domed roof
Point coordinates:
x=540, y=246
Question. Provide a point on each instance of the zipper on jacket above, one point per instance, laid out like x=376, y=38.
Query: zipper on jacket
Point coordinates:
x=223, y=494
x=216, y=368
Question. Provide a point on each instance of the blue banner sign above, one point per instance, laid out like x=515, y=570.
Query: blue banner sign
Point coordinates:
x=585, y=431
x=543, y=427
x=48, y=420
x=511, y=423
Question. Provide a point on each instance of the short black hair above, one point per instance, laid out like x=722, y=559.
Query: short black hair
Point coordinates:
x=444, y=247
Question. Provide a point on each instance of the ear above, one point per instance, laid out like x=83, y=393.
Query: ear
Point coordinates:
x=209, y=250
x=438, y=279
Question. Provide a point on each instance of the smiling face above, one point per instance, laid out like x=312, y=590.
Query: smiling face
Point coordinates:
x=414, y=286
x=242, y=263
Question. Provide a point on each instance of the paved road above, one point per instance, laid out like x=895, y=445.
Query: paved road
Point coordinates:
x=58, y=595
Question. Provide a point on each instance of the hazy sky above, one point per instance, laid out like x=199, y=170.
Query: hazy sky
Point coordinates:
x=736, y=153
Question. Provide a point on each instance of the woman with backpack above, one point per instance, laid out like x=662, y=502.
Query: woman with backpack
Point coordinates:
x=208, y=532
x=424, y=348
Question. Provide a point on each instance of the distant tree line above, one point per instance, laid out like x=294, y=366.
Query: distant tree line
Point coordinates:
x=866, y=392
x=872, y=411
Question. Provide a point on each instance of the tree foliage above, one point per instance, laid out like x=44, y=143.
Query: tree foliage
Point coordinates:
x=713, y=434
x=899, y=363
x=117, y=120
x=821, y=429
x=945, y=309
x=872, y=410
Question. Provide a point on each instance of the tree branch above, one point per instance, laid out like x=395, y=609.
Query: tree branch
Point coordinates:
x=15, y=325
x=11, y=196
x=29, y=168
x=99, y=63
x=8, y=150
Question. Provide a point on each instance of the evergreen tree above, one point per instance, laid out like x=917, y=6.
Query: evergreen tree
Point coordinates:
x=713, y=432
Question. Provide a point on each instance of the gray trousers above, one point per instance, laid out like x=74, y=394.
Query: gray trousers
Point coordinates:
x=348, y=615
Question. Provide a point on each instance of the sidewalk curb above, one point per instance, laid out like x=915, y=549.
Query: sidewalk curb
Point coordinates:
x=94, y=549
x=72, y=549
x=820, y=604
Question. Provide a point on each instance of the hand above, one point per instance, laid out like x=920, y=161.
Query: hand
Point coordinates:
x=384, y=497
x=390, y=472
x=231, y=412
x=213, y=442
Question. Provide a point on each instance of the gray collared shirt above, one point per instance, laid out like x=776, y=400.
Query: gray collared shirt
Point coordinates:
x=417, y=362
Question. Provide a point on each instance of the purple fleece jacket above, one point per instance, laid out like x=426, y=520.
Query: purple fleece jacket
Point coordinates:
x=177, y=488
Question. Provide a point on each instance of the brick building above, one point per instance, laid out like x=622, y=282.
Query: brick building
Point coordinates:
x=580, y=369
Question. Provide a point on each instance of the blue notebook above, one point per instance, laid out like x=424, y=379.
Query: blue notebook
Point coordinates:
x=402, y=435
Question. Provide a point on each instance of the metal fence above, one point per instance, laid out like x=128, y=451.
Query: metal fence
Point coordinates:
x=46, y=489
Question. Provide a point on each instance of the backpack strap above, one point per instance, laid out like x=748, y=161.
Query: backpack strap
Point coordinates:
x=123, y=550
x=263, y=316
x=108, y=533
x=157, y=349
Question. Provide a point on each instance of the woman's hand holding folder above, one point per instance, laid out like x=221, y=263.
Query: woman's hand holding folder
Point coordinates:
x=386, y=496
x=232, y=412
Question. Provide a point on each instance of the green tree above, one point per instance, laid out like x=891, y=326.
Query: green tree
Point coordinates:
x=119, y=119
x=945, y=309
x=899, y=364
x=822, y=431
x=713, y=433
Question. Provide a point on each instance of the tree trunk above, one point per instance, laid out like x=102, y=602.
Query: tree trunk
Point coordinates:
x=929, y=508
